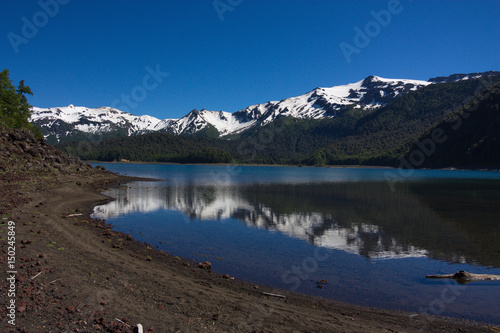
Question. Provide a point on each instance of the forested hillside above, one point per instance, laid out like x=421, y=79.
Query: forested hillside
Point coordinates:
x=154, y=147
x=355, y=136
x=379, y=138
x=470, y=136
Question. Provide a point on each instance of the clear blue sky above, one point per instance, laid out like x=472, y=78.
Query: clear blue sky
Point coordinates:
x=93, y=52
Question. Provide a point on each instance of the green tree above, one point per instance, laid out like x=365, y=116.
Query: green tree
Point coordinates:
x=9, y=100
x=14, y=108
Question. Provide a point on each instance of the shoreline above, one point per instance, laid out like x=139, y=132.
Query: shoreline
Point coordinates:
x=90, y=275
x=247, y=164
x=337, y=166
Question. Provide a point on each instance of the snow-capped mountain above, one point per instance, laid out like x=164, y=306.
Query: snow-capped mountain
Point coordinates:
x=371, y=92
x=461, y=77
x=195, y=121
x=61, y=122
x=64, y=123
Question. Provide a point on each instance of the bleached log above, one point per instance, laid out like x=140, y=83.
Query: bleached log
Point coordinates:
x=118, y=320
x=274, y=295
x=51, y=282
x=465, y=277
x=73, y=215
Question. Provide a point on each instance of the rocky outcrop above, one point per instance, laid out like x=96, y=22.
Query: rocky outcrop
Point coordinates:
x=21, y=153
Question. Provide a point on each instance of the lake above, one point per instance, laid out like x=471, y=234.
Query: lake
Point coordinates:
x=372, y=234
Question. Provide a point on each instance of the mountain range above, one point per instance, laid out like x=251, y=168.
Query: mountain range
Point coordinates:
x=71, y=123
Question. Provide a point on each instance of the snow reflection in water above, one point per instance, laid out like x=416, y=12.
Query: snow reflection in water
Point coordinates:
x=265, y=224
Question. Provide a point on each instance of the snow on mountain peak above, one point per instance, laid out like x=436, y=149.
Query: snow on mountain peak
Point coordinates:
x=54, y=121
x=369, y=93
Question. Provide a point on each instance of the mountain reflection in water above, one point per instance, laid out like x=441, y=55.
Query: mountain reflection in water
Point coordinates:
x=452, y=220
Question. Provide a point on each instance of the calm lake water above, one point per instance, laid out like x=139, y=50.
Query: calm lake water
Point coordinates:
x=373, y=234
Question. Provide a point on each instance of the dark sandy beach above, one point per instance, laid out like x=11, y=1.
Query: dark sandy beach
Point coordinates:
x=75, y=274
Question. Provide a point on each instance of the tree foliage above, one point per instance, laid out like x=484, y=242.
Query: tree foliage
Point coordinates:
x=14, y=108
x=381, y=137
x=154, y=147
x=470, y=136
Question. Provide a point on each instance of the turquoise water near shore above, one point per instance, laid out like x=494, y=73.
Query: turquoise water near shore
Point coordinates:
x=373, y=234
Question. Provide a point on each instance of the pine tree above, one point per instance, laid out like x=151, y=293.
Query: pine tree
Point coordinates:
x=14, y=108
x=9, y=100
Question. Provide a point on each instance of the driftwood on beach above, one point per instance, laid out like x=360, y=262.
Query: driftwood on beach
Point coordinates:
x=466, y=277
